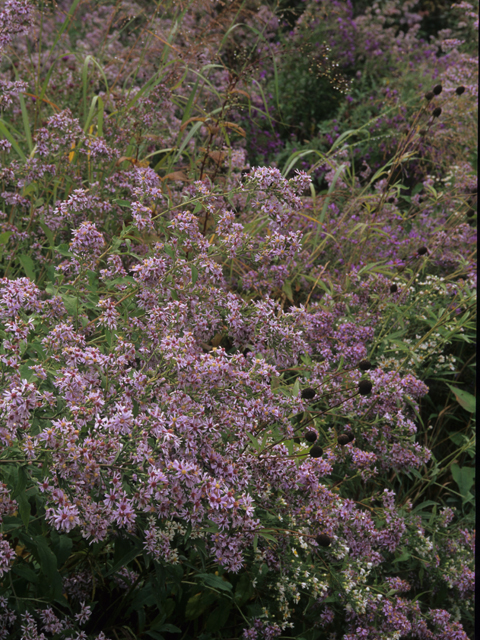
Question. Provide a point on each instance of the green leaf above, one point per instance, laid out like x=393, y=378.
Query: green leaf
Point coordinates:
x=194, y=274
x=217, y=620
x=124, y=554
x=23, y=508
x=244, y=589
x=465, y=478
x=28, y=265
x=21, y=483
x=287, y=290
x=4, y=237
x=7, y=134
x=122, y=203
x=405, y=555
x=169, y=251
x=216, y=582
x=24, y=571
x=464, y=399
x=197, y=604
x=63, y=250
x=48, y=566
x=71, y=304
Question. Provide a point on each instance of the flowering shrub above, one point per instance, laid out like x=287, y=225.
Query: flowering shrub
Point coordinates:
x=221, y=410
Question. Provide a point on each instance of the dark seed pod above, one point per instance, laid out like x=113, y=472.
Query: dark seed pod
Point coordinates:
x=343, y=439
x=422, y=251
x=429, y=96
x=310, y=436
x=459, y=90
x=471, y=213
x=308, y=394
x=391, y=199
x=316, y=451
x=436, y=112
x=350, y=436
x=323, y=540
x=365, y=365
x=393, y=288
x=437, y=89
x=365, y=387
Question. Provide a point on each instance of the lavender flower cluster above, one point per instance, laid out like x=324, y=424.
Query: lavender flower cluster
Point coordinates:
x=213, y=378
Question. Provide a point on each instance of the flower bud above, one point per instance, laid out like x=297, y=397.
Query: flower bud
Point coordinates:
x=316, y=451
x=365, y=365
x=364, y=387
x=323, y=540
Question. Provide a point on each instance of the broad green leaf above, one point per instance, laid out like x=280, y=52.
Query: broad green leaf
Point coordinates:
x=464, y=399
x=465, y=478
x=28, y=265
x=216, y=582
x=48, y=566
x=405, y=555
x=217, y=620
x=244, y=589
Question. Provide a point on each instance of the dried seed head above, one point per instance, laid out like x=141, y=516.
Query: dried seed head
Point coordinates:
x=422, y=251
x=459, y=90
x=429, y=96
x=437, y=89
x=308, y=394
x=471, y=213
x=364, y=387
x=391, y=199
x=316, y=451
x=350, y=436
x=323, y=540
x=393, y=288
x=436, y=112
x=310, y=436
x=343, y=439
x=364, y=365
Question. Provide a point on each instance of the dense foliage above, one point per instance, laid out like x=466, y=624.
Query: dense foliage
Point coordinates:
x=237, y=303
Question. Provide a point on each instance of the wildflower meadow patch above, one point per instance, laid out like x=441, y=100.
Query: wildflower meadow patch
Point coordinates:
x=237, y=313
